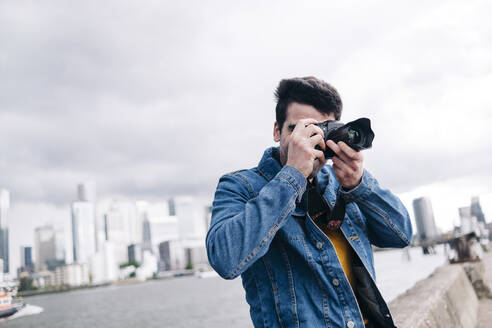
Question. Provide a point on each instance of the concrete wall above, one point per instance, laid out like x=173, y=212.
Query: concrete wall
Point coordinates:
x=445, y=299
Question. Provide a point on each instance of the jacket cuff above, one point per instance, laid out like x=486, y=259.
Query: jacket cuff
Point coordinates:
x=362, y=190
x=295, y=178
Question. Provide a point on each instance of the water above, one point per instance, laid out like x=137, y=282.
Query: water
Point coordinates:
x=192, y=302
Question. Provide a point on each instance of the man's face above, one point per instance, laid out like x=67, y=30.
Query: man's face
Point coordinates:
x=296, y=112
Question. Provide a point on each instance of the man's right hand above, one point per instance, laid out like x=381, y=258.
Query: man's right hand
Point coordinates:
x=301, y=153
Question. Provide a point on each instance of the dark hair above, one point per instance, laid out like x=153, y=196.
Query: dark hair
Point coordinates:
x=308, y=91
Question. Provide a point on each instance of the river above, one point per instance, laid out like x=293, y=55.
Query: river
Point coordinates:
x=193, y=302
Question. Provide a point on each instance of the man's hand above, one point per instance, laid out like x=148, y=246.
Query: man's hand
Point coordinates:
x=301, y=152
x=347, y=164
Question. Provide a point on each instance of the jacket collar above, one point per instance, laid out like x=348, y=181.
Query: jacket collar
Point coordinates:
x=269, y=166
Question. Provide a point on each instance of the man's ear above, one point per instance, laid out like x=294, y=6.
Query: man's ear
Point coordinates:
x=276, y=132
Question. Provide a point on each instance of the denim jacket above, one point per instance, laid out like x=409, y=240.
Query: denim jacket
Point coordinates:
x=289, y=268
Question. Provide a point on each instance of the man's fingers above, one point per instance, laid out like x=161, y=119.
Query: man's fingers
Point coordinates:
x=351, y=153
x=308, y=127
x=302, y=124
x=311, y=130
x=318, y=140
x=336, y=149
x=318, y=154
x=341, y=165
x=340, y=174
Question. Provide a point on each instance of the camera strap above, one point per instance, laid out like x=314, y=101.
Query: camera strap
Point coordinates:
x=320, y=211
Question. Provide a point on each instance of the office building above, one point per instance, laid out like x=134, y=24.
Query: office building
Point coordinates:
x=73, y=275
x=121, y=228
x=26, y=262
x=190, y=218
x=157, y=225
x=103, y=265
x=4, y=229
x=86, y=192
x=83, y=231
x=50, y=248
x=424, y=218
x=135, y=252
x=171, y=255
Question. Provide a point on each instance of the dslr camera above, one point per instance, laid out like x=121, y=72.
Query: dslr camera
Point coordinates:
x=356, y=134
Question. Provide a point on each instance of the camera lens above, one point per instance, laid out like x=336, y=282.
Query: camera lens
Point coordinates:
x=353, y=136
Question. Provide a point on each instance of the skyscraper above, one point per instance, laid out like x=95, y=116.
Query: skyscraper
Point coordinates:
x=84, y=234
x=4, y=229
x=121, y=228
x=83, y=231
x=424, y=217
x=86, y=192
x=26, y=256
x=190, y=222
x=157, y=225
x=50, y=248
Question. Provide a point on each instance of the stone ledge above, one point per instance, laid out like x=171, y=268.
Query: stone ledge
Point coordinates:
x=445, y=299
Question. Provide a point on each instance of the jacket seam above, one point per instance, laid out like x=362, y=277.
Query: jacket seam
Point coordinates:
x=291, y=284
x=264, y=175
x=388, y=221
x=270, y=234
x=294, y=185
x=275, y=291
x=261, y=300
x=248, y=186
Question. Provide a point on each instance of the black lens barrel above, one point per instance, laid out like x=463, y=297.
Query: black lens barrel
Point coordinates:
x=356, y=134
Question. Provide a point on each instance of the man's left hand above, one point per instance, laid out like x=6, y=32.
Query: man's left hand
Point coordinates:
x=347, y=164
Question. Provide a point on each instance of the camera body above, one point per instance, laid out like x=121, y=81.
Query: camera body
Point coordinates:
x=356, y=134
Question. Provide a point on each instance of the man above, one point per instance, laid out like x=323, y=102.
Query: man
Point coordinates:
x=273, y=224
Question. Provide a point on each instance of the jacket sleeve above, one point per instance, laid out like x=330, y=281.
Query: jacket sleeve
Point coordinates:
x=243, y=226
x=388, y=222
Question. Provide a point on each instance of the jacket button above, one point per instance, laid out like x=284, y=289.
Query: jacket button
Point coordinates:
x=350, y=324
x=332, y=203
x=335, y=282
x=319, y=245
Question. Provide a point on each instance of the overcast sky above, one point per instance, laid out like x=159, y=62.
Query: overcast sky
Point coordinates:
x=151, y=99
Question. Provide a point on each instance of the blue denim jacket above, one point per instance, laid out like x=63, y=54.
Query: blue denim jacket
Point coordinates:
x=289, y=267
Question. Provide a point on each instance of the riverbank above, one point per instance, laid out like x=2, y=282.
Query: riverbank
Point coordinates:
x=66, y=288
x=453, y=296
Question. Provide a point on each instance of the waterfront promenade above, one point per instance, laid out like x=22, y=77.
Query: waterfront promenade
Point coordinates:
x=453, y=296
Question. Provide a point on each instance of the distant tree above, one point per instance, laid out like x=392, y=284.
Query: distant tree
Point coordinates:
x=126, y=264
x=26, y=283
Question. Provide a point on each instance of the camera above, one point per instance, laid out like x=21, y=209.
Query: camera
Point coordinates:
x=356, y=134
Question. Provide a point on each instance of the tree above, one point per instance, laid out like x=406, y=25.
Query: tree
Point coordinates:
x=26, y=283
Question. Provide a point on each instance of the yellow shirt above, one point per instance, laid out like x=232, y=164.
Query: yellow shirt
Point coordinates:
x=345, y=254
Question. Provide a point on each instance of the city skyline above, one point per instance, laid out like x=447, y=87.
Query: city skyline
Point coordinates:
x=90, y=222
